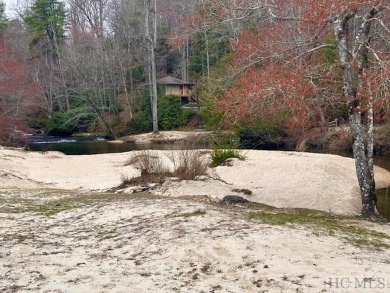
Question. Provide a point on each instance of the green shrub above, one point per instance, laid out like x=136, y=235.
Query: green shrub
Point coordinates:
x=219, y=156
x=67, y=123
x=225, y=148
x=171, y=115
x=140, y=123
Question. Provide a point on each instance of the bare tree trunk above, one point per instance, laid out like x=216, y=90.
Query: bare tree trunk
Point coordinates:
x=362, y=150
x=151, y=38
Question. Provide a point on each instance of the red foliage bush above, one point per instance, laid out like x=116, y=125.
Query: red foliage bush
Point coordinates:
x=19, y=97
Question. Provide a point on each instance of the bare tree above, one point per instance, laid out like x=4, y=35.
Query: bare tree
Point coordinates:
x=150, y=15
x=294, y=31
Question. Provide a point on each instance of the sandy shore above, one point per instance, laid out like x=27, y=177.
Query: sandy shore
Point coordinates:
x=57, y=236
x=281, y=179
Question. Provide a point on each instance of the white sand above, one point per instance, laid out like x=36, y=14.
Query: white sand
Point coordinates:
x=280, y=179
x=146, y=245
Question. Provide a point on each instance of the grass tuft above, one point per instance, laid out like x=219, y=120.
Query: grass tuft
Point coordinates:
x=243, y=190
x=332, y=225
x=191, y=214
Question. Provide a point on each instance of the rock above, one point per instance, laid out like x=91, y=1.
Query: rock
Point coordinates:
x=228, y=162
x=233, y=199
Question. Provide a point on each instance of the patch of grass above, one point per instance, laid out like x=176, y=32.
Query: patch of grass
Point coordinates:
x=219, y=156
x=243, y=190
x=332, y=225
x=223, y=149
x=191, y=214
x=51, y=202
x=53, y=208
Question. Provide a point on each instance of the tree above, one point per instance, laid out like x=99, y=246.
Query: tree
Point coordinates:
x=19, y=97
x=150, y=15
x=45, y=22
x=3, y=17
x=290, y=37
x=47, y=19
x=361, y=62
x=90, y=15
x=93, y=80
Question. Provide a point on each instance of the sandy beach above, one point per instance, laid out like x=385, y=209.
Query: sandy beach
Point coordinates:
x=61, y=232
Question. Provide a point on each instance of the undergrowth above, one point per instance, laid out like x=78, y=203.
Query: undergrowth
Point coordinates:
x=224, y=150
x=195, y=213
x=188, y=164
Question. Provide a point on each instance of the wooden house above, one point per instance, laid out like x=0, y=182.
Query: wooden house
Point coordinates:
x=177, y=87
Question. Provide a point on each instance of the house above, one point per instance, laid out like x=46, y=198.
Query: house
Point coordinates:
x=177, y=87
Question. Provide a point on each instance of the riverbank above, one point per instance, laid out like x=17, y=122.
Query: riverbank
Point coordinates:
x=61, y=233
x=169, y=137
x=281, y=179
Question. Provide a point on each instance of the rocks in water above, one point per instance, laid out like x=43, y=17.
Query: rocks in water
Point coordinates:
x=233, y=199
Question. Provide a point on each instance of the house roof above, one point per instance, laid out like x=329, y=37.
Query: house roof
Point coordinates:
x=172, y=80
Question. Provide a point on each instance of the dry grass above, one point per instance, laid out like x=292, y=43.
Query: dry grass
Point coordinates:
x=151, y=166
x=301, y=145
x=341, y=140
x=188, y=164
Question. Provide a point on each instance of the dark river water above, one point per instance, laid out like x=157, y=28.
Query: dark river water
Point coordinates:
x=97, y=145
x=79, y=145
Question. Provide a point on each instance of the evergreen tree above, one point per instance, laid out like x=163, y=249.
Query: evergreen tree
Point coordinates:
x=3, y=17
x=46, y=23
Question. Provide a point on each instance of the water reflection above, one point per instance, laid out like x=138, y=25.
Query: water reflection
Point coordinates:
x=384, y=202
x=83, y=147
x=94, y=145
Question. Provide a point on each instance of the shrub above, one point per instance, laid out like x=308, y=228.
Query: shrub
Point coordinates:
x=227, y=148
x=140, y=123
x=147, y=162
x=243, y=190
x=188, y=164
x=219, y=156
x=77, y=120
x=171, y=115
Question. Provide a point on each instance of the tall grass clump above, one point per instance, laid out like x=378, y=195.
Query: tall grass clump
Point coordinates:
x=225, y=149
x=189, y=163
x=151, y=166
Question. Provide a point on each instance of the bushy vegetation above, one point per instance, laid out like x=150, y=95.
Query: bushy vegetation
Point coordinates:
x=188, y=164
x=171, y=114
x=67, y=123
x=223, y=149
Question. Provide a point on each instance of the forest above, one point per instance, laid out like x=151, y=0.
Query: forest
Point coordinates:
x=271, y=71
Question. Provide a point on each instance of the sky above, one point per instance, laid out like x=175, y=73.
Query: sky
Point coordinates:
x=8, y=5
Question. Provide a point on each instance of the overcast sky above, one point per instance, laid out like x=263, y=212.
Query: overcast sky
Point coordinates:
x=8, y=5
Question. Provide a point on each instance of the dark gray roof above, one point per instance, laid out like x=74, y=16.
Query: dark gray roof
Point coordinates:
x=172, y=80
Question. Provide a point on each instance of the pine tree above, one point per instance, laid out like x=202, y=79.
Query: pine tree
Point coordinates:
x=46, y=23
